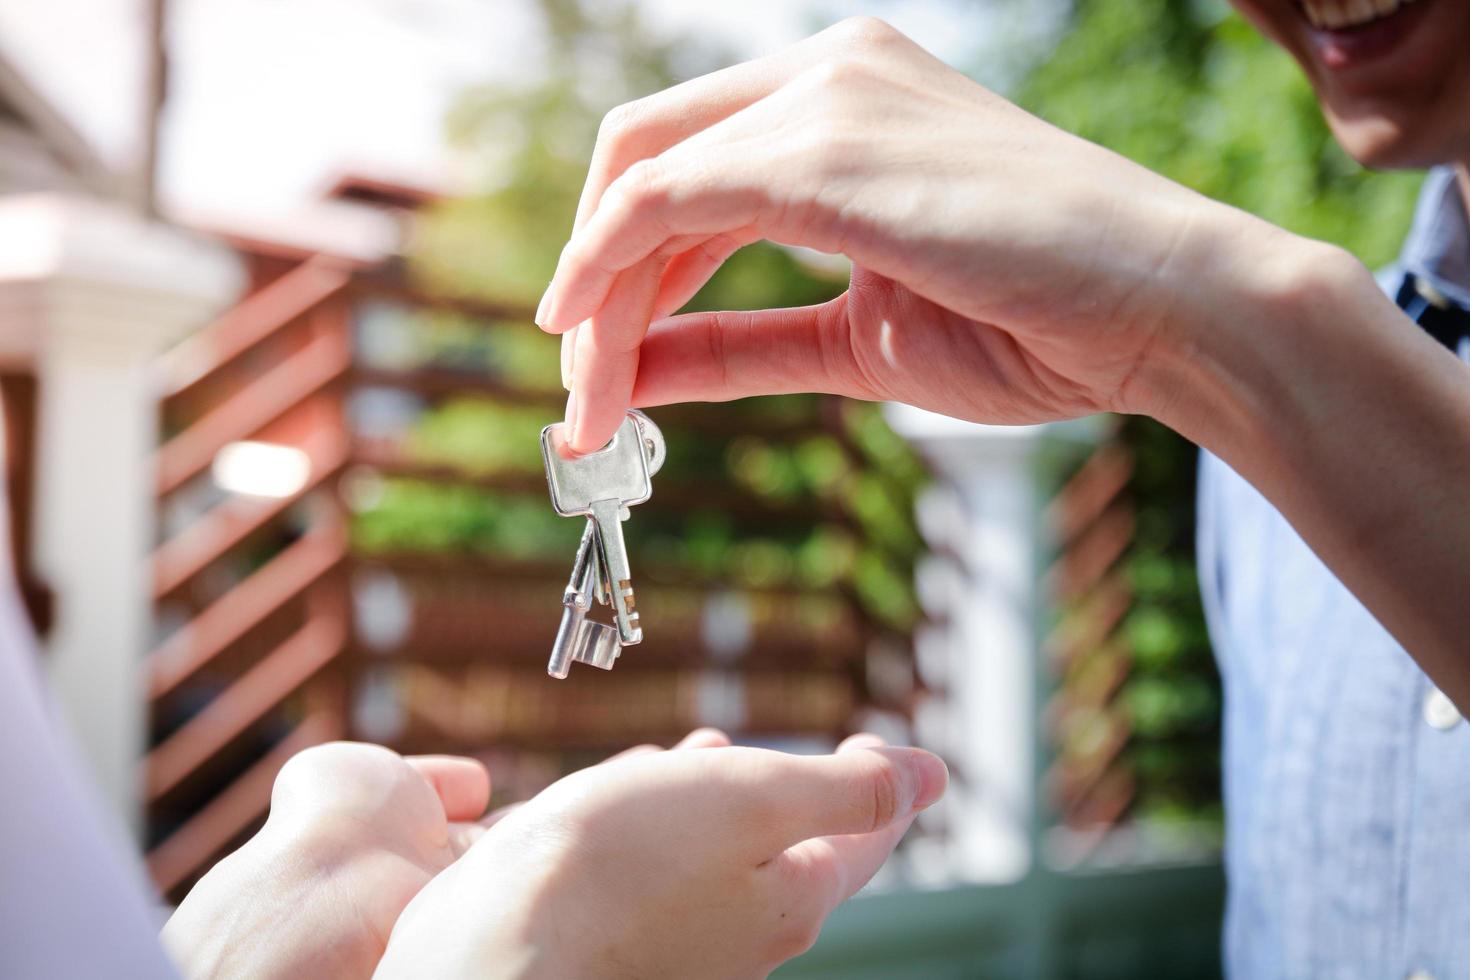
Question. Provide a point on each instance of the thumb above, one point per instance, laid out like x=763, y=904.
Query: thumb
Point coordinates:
x=856, y=791
x=728, y=355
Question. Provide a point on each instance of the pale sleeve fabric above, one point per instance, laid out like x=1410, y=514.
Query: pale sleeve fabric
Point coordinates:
x=73, y=900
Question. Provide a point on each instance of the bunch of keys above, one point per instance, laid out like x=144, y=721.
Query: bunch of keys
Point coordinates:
x=600, y=486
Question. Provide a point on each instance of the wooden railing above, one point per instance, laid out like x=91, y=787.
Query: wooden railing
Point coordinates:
x=1092, y=522
x=218, y=822
x=260, y=654
x=1134, y=709
x=273, y=365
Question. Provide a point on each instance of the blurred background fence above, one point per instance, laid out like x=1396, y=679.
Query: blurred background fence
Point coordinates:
x=356, y=541
x=320, y=436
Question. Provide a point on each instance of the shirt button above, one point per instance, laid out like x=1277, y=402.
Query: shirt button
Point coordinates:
x=1420, y=975
x=1441, y=714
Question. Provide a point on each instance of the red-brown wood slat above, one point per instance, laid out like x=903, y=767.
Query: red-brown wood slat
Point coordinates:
x=1090, y=687
x=264, y=400
x=224, y=818
x=226, y=620
x=255, y=692
x=256, y=319
x=1090, y=621
x=479, y=567
x=1105, y=803
x=1073, y=779
x=434, y=382
x=1092, y=553
x=224, y=527
x=488, y=705
x=388, y=284
x=1089, y=492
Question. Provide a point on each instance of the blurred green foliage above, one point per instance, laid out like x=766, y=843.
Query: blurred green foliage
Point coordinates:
x=533, y=141
x=417, y=515
x=1190, y=90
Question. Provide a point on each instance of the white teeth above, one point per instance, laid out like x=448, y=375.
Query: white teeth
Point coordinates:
x=1337, y=14
x=1347, y=13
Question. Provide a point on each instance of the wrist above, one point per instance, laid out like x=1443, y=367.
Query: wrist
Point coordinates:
x=1255, y=309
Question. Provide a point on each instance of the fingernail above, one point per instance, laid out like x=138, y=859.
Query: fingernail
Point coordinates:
x=542, y=307
x=568, y=357
x=571, y=422
x=862, y=740
x=932, y=776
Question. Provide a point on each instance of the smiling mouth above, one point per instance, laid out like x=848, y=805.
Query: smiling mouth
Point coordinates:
x=1342, y=15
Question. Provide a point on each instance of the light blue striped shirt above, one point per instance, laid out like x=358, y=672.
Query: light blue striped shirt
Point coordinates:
x=1347, y=775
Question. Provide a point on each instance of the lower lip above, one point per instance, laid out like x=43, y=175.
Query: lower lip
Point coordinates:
x=1341, y=50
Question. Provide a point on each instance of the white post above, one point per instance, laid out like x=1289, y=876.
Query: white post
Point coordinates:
x=91, y=293
x=981, y=587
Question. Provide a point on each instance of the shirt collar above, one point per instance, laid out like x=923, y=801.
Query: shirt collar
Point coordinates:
x=1438, y=246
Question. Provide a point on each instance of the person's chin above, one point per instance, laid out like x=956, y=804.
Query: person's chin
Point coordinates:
x=1390, y=74
x=1382, y=142
x=1397, y=138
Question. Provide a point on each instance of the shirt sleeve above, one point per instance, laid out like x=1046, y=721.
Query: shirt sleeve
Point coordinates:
x=73, y=899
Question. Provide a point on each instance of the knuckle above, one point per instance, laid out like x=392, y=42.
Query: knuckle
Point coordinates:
x=328, y=765
x=835, y=76
x=837, y=95
x=670, y=249
x=309, y=762
x=806, y=936
x=885, y=786
x=797, y=935
x=619, y=121
x=868, y=32
x=303, y=773
x=641, y=185
x=841, y=351
x=819, y=881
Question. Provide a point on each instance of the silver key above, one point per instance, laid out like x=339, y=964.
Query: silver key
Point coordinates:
x=602, y=486
x=579, y=638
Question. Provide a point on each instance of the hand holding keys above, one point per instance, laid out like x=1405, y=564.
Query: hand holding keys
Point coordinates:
x=600, y=486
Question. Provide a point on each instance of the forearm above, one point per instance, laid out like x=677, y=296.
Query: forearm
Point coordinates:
x=1310, y=383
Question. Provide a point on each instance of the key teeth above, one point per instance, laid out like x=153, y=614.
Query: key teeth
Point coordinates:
x=597, y=645
x=590, y=642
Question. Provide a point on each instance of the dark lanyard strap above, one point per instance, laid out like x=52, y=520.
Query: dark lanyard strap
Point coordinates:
x=1441, y=319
